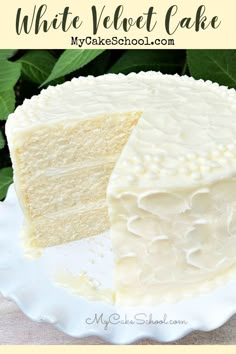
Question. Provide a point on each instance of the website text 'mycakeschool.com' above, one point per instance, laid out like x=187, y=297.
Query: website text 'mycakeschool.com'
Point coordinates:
x=120, y=41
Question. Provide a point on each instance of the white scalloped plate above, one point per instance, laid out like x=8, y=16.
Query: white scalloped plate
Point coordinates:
x=31, y=284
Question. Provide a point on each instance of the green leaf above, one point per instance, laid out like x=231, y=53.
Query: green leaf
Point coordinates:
x=7, y=53
x=6, y=179
x=98, y=66
x=144, y=60
x=9, y=74
x=7, y=103
x=37, y=65
x=71, y=60
x=2, y=141
x=215, y=65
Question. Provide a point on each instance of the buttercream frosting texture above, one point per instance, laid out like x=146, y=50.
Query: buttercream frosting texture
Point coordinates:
x=163, y=148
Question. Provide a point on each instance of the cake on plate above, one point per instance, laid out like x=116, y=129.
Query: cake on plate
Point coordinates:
x=150, y=156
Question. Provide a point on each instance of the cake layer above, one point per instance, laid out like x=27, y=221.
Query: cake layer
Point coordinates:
x=69, y=141
x=51, y=230
x=58, y=192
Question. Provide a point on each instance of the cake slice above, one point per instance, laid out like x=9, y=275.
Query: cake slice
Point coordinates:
x=61, y=172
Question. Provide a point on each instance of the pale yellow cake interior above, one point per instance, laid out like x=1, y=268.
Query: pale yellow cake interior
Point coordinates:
x=63, y=171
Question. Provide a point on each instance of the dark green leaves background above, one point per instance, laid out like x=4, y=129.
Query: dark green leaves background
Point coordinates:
x=24, y=73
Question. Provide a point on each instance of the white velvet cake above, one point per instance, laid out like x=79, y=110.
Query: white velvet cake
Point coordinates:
x=171, y=196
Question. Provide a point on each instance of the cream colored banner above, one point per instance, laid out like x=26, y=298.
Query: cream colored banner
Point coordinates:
x=133, y=349
x=160, y=24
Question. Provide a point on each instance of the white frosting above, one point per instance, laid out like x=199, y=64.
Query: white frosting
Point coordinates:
x=164, y=241
x=201, y=148
x=189, y=154
x=172, y=194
